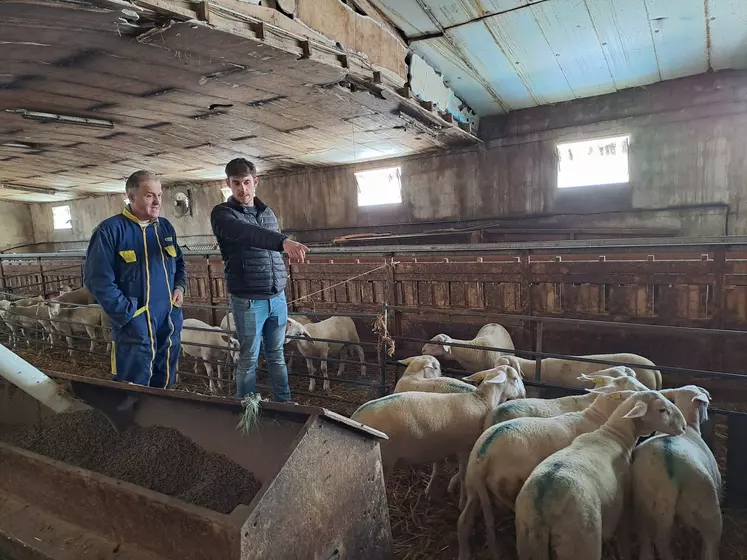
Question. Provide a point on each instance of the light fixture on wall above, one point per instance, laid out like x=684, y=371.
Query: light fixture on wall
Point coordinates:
x=45, y=117
x=24, y=188
x=182, y=206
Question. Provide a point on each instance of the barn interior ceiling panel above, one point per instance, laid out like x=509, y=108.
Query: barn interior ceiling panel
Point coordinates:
x=502, y=55
x=91, y=91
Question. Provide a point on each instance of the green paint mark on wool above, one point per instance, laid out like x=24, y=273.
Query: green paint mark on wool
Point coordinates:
x=379, y=401
x=508, y=411
x=495, y=432
x=670, y=460
x=547, y=480
x=459, y=388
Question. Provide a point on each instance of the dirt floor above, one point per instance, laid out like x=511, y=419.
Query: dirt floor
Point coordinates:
x=422, y=529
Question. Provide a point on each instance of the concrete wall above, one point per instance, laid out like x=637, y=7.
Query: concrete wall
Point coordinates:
x=87, y=213
x=15, y=224
x=688, y=173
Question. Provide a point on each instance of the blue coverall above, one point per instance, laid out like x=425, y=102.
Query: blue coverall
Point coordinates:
x=132, y=271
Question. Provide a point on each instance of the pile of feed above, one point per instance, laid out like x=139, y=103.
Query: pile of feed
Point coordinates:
x=160, y=459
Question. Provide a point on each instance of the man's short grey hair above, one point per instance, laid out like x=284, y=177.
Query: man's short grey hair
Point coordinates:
x=134, y=180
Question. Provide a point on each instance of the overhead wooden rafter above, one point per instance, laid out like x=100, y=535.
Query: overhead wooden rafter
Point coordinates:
x=187, y=86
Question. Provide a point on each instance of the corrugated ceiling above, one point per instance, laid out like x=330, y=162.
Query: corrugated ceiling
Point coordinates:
x=502, y=55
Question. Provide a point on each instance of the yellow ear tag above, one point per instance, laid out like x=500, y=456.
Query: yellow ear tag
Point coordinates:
x=599, y=383
x=616, y=396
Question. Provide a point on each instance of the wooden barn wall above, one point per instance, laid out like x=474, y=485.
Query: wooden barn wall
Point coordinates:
x=688, y=163
x=684, y=288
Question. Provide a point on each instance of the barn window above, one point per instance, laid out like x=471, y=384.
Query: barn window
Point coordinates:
x=602, y=161
x=379, y=186
x=61, y=217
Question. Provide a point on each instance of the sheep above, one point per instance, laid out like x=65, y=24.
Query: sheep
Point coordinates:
x=90, y=318
x=565, y=372
x=677, y=477
x=219, y=343
x=491, y=335
x=80, y=296
x=26, y=302
x=334, y=328
x=505, y=455
x=575, y=498
x=428, y=427
x=423, y=373
x=547, y=408
x=28, y=317
x=16, y=322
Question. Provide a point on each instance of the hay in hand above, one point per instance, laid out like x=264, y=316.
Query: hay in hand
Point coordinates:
x=251, y=413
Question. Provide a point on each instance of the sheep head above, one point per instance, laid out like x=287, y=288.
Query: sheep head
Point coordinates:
x=294, y=328
x=427, y=364
x=653, y=412
x=438, y=346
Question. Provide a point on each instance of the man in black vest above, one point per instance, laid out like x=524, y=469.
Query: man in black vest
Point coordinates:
x=251, y=245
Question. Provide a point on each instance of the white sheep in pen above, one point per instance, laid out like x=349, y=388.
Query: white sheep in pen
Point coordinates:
x=22, y=319
x=566, y=372
x=429, y=427
x=218, y=345
x=676, y=477
x=491, y=335
x=334, y=328
x=506, y=454
x=575, y=499
x=423, y=373
x=90, y=318
x=547, y=408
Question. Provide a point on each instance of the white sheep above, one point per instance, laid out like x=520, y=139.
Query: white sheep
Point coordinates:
x=505, y=455
x=491, y=335
x=90, y=318
x=219, y=345
x=566, y=372
x=423, y=373
x=429, y=427
x=575, y=499
x=25, y=302
x=79, y=296
x=29, y=317
x=547, y=408
x=334, y=328
x=676, y=477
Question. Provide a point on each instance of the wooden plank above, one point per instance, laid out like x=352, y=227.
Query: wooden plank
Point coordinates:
x=679, y=31
x=626, y=41
x=568, y=29
x=728, y=22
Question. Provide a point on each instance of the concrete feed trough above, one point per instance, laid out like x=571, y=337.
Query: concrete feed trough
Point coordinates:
x=321, y=490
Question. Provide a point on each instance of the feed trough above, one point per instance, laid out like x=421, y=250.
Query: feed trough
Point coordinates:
x=185, y=483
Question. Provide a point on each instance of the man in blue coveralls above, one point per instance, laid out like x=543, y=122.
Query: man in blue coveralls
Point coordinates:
x=135, y=270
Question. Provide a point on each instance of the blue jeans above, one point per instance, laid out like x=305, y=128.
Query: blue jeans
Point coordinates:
x=258, y=320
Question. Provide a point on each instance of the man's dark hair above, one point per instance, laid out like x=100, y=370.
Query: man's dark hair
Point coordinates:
x=240, y=167
x=134, y=180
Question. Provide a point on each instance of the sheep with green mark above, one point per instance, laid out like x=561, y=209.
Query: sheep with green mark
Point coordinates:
x=676, y=478
x=491, y=335
x=565, y=372
x=506, y=454
x=547, y=408
x=575, y=499
x=429, y=427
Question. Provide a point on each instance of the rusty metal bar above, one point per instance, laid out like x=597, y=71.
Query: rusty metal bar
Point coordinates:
x=382, y=348
x=538, y=348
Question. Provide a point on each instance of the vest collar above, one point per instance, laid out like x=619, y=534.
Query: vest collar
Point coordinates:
x=258, y=204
